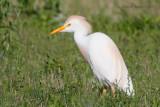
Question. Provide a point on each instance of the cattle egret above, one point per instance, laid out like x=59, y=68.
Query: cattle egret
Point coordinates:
x=101, y=53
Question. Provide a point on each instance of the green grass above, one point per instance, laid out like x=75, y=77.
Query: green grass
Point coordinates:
x=37, y=69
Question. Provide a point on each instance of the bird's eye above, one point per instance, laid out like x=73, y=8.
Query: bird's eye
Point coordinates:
x=69, y=24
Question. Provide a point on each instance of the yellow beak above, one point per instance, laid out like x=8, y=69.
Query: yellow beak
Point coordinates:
x=59, y=29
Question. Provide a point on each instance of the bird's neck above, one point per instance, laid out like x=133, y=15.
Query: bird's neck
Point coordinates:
x=81, y=38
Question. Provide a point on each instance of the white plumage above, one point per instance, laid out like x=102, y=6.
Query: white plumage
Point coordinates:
x=101, y=53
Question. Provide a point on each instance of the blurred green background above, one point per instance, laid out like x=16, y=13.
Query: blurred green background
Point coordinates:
x=37, y=69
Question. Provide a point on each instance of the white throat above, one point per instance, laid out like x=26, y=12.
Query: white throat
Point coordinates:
x=81, y=38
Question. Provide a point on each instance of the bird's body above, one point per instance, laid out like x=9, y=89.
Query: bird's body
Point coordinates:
x=101, y=53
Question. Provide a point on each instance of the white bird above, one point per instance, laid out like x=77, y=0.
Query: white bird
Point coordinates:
x=101, y=53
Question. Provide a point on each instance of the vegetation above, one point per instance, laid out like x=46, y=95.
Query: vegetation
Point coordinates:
x=37, y=69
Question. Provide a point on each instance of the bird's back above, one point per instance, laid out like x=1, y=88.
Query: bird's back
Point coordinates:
x=107, y=62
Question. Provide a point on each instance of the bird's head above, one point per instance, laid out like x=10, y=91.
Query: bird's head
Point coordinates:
x=74, y=24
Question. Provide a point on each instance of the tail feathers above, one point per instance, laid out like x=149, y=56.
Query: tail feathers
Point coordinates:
x=128, y=87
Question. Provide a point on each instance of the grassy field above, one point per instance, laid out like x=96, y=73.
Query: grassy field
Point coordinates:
x=37, y=69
